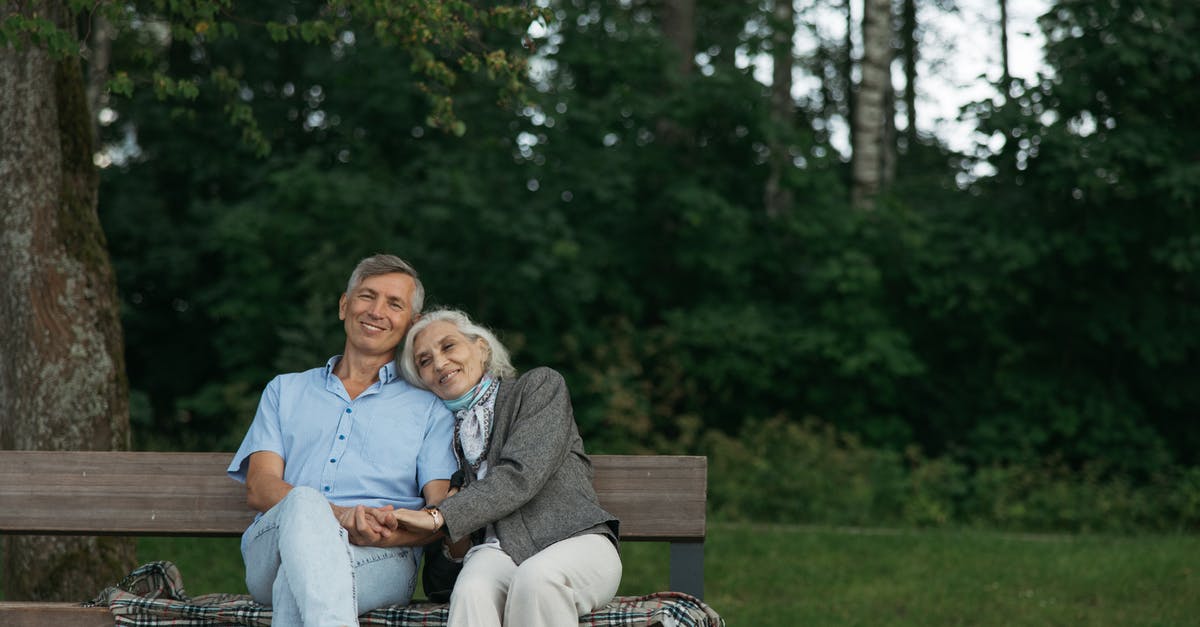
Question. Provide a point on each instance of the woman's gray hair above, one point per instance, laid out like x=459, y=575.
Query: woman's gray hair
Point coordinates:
x=496, y=363
x=376, y=265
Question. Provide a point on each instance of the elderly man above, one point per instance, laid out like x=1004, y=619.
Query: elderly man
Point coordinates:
x=331, y=451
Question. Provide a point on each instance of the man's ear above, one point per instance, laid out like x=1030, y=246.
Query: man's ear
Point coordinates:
x=342, y=307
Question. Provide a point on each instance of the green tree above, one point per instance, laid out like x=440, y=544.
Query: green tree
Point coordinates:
x=67, y=387
x=1090, y=232
x=614, y=226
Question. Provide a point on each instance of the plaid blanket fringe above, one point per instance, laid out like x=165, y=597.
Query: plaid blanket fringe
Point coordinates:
x=153, y=596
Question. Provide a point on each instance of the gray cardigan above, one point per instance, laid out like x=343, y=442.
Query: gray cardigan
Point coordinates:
x=538, y=489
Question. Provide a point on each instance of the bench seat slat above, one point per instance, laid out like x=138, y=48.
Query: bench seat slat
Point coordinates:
x=657, y=498
x=188, y=494
x=120, y=493
x=43, y=614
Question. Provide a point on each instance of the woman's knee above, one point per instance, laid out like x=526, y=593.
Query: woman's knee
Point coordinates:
x=469, y=583
x=534, y=576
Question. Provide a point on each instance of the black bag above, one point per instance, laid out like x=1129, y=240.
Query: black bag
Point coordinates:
x=439, y=574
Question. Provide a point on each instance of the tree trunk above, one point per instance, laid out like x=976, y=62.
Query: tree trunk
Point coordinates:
x=887, y=145
x=1006, y=77
x=869, y=132
x=679, y=27
x=62, y=378
x=909, y=50
x=678, y=22
x=848, y=71
x=776, y=198
x=99, y=54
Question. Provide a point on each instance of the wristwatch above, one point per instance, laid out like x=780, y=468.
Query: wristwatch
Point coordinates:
x=439, y=521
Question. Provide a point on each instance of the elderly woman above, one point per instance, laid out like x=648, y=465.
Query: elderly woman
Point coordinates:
x=542, y=550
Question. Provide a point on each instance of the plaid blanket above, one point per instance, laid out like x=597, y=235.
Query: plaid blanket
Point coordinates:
x=153, y=595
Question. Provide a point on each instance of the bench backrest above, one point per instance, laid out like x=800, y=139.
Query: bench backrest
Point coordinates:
x=657, y=497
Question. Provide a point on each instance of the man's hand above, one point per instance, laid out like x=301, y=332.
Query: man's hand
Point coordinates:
x=367, y=526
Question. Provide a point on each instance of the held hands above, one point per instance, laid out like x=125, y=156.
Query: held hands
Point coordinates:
x=386, y=526
x=367, y=526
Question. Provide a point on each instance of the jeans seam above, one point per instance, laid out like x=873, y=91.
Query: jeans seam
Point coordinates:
x=263, y=527
x=353, y=575
x=379, y=557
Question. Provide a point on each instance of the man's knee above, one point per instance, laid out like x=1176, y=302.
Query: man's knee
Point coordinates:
x=302, y=499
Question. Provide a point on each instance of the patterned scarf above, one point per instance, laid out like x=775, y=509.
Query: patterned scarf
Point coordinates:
x=473, y=413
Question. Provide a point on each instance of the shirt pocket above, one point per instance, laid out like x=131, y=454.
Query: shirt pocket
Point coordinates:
x=390, y=439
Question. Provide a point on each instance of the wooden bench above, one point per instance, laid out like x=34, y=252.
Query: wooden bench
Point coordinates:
x=659, y=498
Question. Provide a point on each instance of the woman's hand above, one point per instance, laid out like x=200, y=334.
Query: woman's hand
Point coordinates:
x=427, y=521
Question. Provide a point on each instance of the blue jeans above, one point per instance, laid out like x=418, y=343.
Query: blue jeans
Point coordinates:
x=299, y=560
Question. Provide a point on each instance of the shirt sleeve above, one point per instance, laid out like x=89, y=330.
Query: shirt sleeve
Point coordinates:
x=265, y=433
x=436, y=460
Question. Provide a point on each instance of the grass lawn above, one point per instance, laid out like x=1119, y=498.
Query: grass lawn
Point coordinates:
x=763, y=575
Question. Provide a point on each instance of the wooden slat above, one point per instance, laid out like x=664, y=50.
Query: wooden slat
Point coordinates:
x=27, y=614
x=657, y=497
x=104, y=493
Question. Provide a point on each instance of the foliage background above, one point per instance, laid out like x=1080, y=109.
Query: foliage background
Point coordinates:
x=1013, y=350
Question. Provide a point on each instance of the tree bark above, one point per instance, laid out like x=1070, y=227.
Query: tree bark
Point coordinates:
x=869, y=132
x=62, y=378
x=776, y=198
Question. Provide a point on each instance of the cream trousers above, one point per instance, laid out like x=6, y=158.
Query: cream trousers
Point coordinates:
x=551, y=589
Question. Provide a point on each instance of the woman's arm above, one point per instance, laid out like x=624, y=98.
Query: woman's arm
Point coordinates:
x=536, y=444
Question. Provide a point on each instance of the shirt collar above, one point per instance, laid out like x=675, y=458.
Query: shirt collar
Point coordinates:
x=387, y=374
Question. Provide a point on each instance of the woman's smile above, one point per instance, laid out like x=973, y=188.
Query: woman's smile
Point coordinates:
x=447, y=361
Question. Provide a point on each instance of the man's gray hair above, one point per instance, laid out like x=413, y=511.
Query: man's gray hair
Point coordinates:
x=497, y=362
x=376, y=265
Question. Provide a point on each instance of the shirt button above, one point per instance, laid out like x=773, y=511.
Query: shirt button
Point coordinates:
x=348, y=410
x=341, y=437
x=326, y=488
x=333, y=461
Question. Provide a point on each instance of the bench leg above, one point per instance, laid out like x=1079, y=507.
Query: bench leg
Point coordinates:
x=687, y=568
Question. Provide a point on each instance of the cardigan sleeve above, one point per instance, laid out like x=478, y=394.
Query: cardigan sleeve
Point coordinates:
x=538, y=440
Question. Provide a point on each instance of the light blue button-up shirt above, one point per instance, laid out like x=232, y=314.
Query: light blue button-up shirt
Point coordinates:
x=378, y=449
